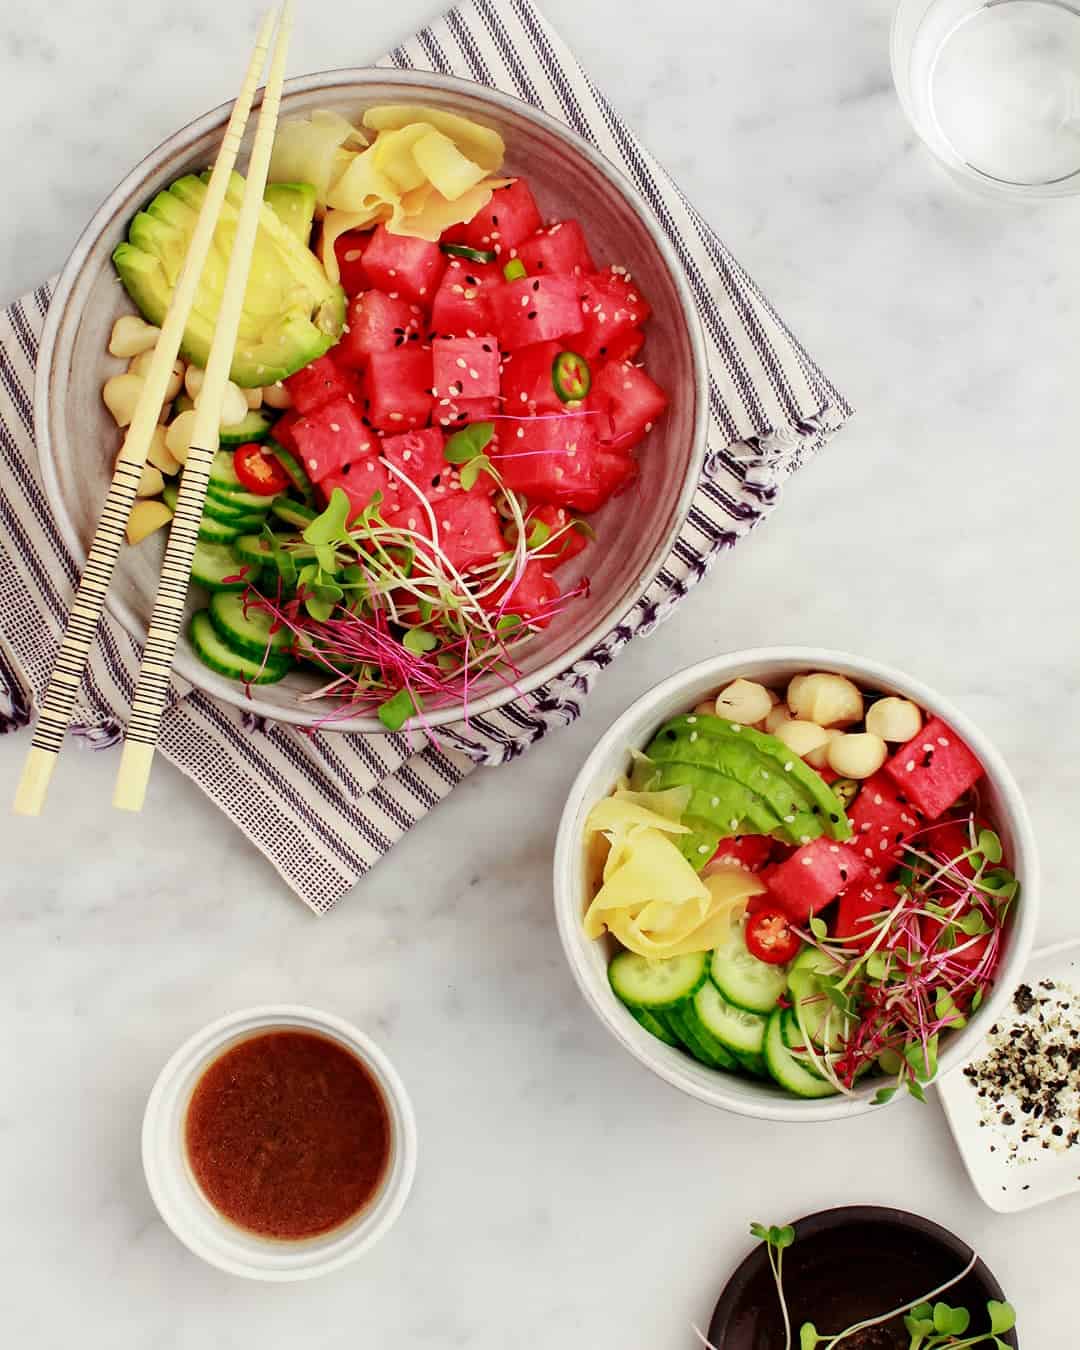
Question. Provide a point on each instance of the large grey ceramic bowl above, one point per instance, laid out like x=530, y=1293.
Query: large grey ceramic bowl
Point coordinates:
x=77, y=439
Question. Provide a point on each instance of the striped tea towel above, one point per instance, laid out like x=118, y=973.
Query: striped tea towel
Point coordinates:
x=324, y=808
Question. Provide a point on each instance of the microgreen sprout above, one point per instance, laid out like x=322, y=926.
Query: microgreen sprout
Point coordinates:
x=930, y=1323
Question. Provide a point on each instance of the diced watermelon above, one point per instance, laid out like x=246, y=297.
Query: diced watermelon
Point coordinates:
x=627, y=347
x=508, y=219
x=455, y=413
x=630, y=400
x=967, y=952
x=934, y=769
x=359, y=480
x=283, y=430
x=858, y=905
x=468, y=524
x=330, y=437
x=376, y=323
x=466, y=368
x=814, y=875
x=612, y=309
x=548, y=458
x=536, y=309
x=948, y=841
x=563, y=541
x=751, y=851
x=557, y=250
x=531, y=597
x=613, y=473
x=462, y=304
x=399, y=388
x=419, y=455
x=881, y=821
x=349, y=250
x=318, y=383
x=527, y=385
x=404, y=267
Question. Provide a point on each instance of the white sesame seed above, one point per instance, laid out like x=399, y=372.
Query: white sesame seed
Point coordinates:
x=693, y=735
x=474, y=374
x=353, y=254
x=910, y=766
x=313, y=463
x=734, y=822
x=788, y=766
x=790, y=820
x=878, y=799
x=834, y=848
x=397, y=417
x=393, y=271
x=525, y=302
x=406, y=454
x=691, y=720
x=715, y=801
x=334, y=426
x=804, y=838
x=928, y=748
x=703, y=848
x=807, y=862
x=648, y=426
x=521, y=433
x=942, y=740
x=461, y=363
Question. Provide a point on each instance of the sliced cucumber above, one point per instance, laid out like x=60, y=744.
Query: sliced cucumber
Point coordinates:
x=796, y=1042
x=656, y=984
x=212, y=563
x=223, y=474
x=825, y=1023
x=739, y=1031
x=245, y=628
x=292, y=513
x=238, y=499
x=216, y=509
x=785, y=1068
x=220, y=657
x=217, y=532
x=704, y=1047
x=743, y=979
x=255, y=427
x=292, y=466
x=253, y=549
x=655, y=1025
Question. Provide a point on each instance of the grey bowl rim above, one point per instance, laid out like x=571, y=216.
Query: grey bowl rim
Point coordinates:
x=354, y=77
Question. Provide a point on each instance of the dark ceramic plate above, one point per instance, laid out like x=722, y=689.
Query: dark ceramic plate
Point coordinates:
x=847, y=1265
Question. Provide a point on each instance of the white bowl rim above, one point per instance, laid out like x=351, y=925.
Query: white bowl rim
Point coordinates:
x=248, y=700
x=206, y=1043
x=639, y=1042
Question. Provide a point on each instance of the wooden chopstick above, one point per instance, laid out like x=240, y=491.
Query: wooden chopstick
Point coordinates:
x=152, y=686
x=85, y=613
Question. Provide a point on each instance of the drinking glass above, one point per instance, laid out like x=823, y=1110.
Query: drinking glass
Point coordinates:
x=993, y=88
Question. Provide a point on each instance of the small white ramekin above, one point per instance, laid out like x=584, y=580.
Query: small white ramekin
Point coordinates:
x=678, y=694
x=191, y=1216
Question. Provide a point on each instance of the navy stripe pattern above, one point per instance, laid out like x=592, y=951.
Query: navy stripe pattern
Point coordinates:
x=324, y=808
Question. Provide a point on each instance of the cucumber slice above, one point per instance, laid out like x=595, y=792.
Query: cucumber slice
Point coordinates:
x=292, y=466
x=656, y=984
x=292, y=513
x=212, y=563
x=223, y=474
x=785, y=1068
x=738, y=1031
x=742, y=979
x=217, y=532
x=244, y=628
x=253, y=550
x=825, y=1023
x=215, y=509
x=698, y=1040
x=239, y=500
x=655, y=1025
x=795, y=1042
x=255, y=427
x=220, y=657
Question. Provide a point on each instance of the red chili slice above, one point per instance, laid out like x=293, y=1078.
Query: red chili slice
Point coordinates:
x=258, y=471
x=770, y=937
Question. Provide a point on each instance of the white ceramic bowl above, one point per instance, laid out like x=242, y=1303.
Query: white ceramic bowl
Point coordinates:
x=191, y=1216
x=77, y=439
x=588, y=960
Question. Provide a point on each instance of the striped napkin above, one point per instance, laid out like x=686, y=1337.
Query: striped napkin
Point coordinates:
x=324, y=808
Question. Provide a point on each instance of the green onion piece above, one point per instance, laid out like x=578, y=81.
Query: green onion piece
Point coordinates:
x=481, y=255
x=514, y=270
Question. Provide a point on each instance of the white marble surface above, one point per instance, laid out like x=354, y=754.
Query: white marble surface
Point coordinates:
x=565, y=1197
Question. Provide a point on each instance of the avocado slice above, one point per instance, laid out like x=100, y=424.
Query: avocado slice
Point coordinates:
x=292, y=312
x=804, y=803
x=719, y=808
x=294, y=206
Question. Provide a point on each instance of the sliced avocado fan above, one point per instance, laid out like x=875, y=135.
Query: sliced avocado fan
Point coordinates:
x=743, y=782
x=292, y=312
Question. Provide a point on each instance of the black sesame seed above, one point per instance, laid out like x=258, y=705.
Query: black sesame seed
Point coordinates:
x=532, y=314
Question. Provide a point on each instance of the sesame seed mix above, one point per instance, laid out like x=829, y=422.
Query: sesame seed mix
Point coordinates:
x=1028, y=1082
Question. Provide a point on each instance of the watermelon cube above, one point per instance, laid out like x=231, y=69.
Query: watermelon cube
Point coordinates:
x=549, y=459
x=949, y=841
x=468, y=527
x=630, y=401
x=404, y=267
x=318, y=383
x=934, y=769
x=612, y=307
x=613, y=473
x=882, y=820
x=624, y=348
x=814, y=875
x=562, y=542
x=855, y=913
x=462, y=304
x=399, y=388
x=505, y=222
x=375, y=323
x=532, y=597
x=331, y=437
x=527, y=384
x=349, y=251
x=465, y=368
x=751, y=851
x=454, y=413
x=283, y=430
x=536, y=309
x=359, y=480
x=419, y=455
x=965, y=952
x=557, y=250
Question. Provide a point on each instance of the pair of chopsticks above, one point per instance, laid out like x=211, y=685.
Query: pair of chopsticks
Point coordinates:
x=152, y=686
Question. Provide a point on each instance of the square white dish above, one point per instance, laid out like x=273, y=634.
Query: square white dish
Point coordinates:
x=1010, y=1173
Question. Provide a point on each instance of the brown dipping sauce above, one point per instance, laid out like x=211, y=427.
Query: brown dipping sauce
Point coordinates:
x=288, y=1135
